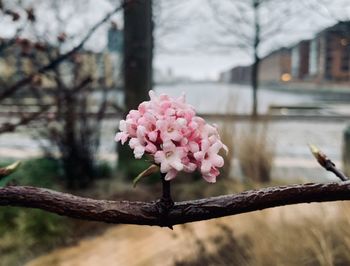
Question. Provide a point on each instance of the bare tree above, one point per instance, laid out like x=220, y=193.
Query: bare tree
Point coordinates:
x=61, y=83
x=171, y=18
x=251, y=26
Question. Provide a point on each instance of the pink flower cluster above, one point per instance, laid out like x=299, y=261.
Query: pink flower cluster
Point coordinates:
x=169, y=130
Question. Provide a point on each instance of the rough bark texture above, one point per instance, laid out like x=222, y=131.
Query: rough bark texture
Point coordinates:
x=148, y=213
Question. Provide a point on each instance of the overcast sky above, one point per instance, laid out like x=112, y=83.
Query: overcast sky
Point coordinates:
x=184, y=34
x=207, y=61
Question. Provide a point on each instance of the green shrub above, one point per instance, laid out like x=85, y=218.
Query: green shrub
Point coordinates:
x=24, y=232
x=37, y=227
x=7, y=219
x=104, y=170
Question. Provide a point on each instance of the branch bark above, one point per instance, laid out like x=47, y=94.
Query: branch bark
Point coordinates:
x=147, y=213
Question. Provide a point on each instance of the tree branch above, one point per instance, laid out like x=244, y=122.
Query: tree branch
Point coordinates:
x=147, y=213
x=24, y=120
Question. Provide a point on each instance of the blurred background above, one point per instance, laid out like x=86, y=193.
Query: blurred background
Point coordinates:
x=274, y=75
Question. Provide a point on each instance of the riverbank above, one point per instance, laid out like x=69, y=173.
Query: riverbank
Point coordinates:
x=322, y=89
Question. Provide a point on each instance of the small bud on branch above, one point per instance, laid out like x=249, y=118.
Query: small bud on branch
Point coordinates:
x=326, y=163
x=6, y=171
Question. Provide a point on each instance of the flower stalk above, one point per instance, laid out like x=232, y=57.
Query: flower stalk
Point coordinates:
x=166, y=203
x=166, y=196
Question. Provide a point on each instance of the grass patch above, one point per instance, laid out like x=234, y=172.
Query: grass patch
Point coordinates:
x=256, y=153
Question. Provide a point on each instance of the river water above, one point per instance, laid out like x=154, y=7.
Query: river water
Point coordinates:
x=290, y=139
x=231, y=98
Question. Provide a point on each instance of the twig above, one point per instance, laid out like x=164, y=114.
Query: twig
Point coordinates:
x=327, y=163
x=147, y=213
x=26, y=119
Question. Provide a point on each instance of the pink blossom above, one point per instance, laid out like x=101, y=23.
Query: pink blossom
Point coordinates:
x=209, y=159
x=178, y=140
x=170, y=158
x=171, y=128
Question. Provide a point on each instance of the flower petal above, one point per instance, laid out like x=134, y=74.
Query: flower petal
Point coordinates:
x=217, y=160
x=210, y=178
x=177, y=165
x=206, y=165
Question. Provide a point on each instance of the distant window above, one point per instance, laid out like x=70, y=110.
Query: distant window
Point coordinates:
x=313, y=55
x=295, y=61
x=345, y=59
x=345, y=68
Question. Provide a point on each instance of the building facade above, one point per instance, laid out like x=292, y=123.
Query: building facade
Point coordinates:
x=276, y=67
x=300, y=60
x=323, y=59
x=332, y=46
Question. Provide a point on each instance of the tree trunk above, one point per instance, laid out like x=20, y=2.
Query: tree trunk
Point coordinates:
x=79, y=169
x=256, y=62
x=138, y=52
x=78, y=165
x=255, y=84
x=137, y=67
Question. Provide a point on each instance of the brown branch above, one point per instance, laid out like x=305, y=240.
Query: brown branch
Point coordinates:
x=147, y=213
x=25, y=120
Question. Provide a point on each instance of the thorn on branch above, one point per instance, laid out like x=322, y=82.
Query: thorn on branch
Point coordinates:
x=327, y=163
